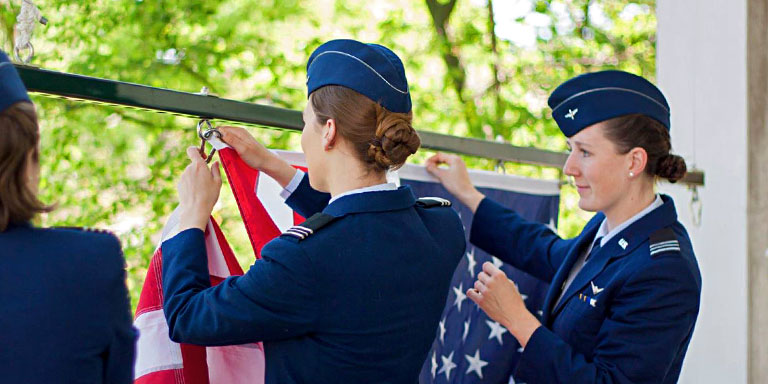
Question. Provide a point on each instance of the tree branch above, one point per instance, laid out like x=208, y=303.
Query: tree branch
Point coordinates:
x=496, y=86
x=440, y=14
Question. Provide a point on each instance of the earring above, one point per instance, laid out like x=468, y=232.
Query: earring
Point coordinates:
x=631, y=174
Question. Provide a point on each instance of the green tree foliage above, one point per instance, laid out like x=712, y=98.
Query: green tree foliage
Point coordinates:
x=470, y=75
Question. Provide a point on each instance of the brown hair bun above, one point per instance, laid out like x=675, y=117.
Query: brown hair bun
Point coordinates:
x=395, y=140
x=671, y=167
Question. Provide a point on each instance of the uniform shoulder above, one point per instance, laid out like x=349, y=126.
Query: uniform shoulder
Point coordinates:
x=663, y=241
x=431, y=202
x=88, y=232
x=97, y=240
x=309, y=227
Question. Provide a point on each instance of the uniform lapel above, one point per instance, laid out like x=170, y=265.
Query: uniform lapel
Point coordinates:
x=555, y=286
x=591, y=269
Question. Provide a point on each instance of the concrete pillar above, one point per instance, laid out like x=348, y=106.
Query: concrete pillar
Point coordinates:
x=702, y=69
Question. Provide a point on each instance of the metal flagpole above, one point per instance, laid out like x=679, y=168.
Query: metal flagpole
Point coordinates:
x=201, y=106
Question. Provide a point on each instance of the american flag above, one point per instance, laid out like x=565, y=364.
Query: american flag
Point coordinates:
x=162, y=361
x=469, y=347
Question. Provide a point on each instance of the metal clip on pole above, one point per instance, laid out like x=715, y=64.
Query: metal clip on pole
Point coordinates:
x=695, y=206
x=205, y=136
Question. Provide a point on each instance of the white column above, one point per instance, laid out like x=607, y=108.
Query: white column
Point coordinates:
x=702, y=69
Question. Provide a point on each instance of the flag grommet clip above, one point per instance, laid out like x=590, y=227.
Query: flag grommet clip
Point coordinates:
x=205, y=136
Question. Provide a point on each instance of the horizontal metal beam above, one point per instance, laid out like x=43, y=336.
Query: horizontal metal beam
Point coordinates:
x=111, y=92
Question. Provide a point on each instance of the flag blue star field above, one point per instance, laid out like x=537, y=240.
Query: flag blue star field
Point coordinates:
x=469, y=347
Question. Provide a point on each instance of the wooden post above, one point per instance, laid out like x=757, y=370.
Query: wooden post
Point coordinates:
x=757, y=181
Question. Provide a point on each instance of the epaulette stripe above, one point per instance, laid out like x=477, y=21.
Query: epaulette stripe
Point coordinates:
x=294, y=231
x=665, y=248
x=664, y=243
x=301, y=229
x=670, y=249
x=429, y=202
x=308, y=227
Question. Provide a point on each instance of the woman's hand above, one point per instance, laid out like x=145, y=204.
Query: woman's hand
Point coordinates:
x=455, y=179
x=250, y=150
x=198, y=190
x=500, y=300
x=256, y=155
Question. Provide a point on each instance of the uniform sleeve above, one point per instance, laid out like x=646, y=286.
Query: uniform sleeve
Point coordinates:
x=274, y=300
x=307, y=201
x=529, y=246
x=121, y=350
x=649, y=323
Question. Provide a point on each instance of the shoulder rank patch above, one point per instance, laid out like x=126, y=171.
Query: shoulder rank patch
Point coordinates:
x=664, y=240
x=308, y=227
x=429, y=202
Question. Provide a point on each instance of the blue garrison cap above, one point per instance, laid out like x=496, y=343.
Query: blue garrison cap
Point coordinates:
x=594, y=97
x=370, y=69
x=11, y=88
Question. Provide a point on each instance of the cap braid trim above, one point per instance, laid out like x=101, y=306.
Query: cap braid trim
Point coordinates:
x=363, y=62
x=610, y=89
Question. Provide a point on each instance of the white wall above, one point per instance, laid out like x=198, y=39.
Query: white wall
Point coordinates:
x=702, y=69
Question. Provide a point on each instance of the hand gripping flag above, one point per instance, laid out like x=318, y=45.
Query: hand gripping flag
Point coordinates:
x=162, y=361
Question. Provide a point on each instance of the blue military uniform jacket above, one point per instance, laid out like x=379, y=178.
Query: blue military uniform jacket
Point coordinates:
x=629, y=314
x=357, y=300
x=65, y=315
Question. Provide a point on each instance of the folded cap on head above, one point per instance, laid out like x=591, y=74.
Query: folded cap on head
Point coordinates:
x=12, y=90
x=594, y=97
x=369, y=69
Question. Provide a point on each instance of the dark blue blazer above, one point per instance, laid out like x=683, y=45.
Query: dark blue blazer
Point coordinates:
x=65, y=315
x=629, y=314
x=357, y=301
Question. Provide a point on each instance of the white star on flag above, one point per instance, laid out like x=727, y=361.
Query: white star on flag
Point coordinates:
x=475, y=364
x=496, y=331
x=525, y=297
x=448, y=365
x=434, y=364
x=466, y=331
x=460, y=296
x=471, y=262
x=498, y=263
x=442, y=331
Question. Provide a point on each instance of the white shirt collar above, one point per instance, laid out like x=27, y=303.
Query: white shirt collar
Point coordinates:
x=603, y=230
x=372, y=188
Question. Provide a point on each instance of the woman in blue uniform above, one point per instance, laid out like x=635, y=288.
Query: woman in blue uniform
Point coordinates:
x=64, y=309
x=343, y=297
x=624, y=294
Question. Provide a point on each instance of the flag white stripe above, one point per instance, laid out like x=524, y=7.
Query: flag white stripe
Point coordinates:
x=154, y=350
x=268, y=192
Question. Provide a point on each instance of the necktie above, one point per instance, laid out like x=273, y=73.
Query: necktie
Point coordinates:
x=595, y=249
